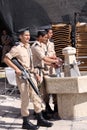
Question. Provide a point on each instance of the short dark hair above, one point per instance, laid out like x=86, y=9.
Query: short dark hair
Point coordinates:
x=47, y=30
x=41, y=33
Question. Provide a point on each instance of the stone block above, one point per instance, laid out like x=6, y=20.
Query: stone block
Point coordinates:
x=71, y=95
x=66, y=84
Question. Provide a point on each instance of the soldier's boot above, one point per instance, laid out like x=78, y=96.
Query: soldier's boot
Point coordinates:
x=48, y=109
x=48, y=112
x=28, y=125
x=55, y=108
x=42, y=122
x=56, y=114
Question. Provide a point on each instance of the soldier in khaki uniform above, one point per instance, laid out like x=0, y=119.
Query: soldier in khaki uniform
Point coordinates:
x=23, y=54
x=49, y=47
x=39, y=53
x=41, y=59
x=50, y=43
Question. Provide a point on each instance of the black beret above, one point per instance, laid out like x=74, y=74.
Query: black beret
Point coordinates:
x=22, y=30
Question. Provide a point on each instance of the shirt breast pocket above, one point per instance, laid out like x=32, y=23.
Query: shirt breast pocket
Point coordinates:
x=24, y=57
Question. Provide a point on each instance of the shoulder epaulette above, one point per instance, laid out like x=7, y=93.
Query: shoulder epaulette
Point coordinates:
x=16, y=44
x=36, y=44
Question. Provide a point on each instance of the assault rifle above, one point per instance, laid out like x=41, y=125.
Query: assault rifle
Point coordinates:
x=25, y=75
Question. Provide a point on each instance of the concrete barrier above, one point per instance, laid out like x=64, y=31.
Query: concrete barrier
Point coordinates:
x=71, y=95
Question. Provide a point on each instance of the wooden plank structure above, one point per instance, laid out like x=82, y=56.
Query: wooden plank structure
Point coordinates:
x=61, y=37
x=81, y=45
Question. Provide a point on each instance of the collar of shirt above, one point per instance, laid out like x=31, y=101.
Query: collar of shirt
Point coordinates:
x=37, y=42
x=48, y=41
x=24, y=45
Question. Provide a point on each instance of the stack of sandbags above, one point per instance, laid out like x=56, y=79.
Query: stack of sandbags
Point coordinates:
x=61, y=37
x=81, y=45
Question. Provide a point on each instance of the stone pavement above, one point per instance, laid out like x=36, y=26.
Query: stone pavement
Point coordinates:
x=10, y=117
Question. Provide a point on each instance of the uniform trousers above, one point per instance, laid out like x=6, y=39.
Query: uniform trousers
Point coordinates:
x=45, y=95
x=27, y=93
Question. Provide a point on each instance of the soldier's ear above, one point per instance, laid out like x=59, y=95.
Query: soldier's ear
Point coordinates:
x=40, y=37
x=20, y=36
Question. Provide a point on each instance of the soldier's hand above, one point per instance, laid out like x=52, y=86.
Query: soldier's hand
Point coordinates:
x=18, y=72
x=38, y=77
x=58, y=63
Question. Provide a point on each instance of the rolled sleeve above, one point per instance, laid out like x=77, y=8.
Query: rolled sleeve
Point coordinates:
x=39, y=52
x=9, y=55
x=12, y=53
